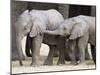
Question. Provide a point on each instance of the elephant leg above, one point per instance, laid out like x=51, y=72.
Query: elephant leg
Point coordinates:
x=36, y=44
x=61, y=59
x=87, y=55
x=93, y=51
x=56, y=52
x=66, y=53
x=28, y=46
x=77, y=52
x=67, y=58
x=49, y=60
x=82, y=43
x=72, y=51
x=61, y=48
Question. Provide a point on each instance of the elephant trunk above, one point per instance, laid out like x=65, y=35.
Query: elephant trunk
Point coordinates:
x=55, y=32
x=19, y=48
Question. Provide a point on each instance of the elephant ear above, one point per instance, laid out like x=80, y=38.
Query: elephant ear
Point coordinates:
x=37, y=28
x=79, y=29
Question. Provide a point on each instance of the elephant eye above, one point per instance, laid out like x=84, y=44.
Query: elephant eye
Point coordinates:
x=64, y=28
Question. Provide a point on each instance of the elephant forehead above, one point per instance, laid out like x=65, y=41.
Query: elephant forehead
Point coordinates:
x=22, y=22
x=23, y=19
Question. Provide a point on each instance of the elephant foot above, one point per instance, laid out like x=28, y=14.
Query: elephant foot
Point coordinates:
x=22, y=57
x=74, y=63
x=20, y=60
x=48, y=63
x=82, y=63
x=35, y=64
x=60, y=62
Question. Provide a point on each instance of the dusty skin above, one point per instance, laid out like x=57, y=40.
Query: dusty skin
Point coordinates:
x=26, y=68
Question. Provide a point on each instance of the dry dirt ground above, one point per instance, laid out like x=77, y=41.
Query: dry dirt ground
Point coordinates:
x=16, y=68
x=26, y=68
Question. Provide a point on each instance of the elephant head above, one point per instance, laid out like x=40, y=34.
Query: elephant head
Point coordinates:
x=22, y=28
x=23, y=24
x=81, y=28
x=72, y=28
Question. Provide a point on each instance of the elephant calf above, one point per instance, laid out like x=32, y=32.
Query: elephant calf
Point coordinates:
x=80, y=31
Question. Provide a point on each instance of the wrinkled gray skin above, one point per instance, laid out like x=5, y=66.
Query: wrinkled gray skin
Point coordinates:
x=80, y=31
x=34, y=23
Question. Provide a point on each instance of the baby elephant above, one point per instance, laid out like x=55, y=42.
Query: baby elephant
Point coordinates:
x=80, y=31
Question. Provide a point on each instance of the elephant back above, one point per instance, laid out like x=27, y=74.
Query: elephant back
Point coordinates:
x=54, y=19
